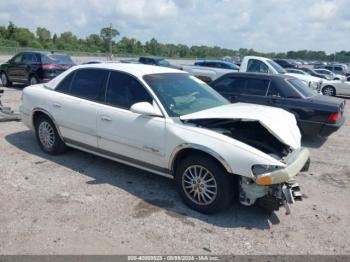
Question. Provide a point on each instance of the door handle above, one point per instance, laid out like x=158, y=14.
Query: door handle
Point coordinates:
x=106, y=118
x=57, y=105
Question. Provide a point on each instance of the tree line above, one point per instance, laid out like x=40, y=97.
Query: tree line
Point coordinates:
x=105, y=42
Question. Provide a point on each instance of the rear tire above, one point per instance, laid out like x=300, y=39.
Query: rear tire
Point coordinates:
x=48, y=137
x=4, y=80
x=204, y=184
x=328, y=91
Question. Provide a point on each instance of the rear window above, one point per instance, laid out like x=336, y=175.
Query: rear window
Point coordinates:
x=57, y=59
x=301, y=87
x=89, y=84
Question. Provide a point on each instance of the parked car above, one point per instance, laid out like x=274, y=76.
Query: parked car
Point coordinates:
x=217, y=64
x=316, y=114
x=285, y=63
x=329, y=73
x=204, y=73
x=157, y=61
x=337, y=69
x=170, y=123
x=34, y=67
x=314, y=73
x=263, y=65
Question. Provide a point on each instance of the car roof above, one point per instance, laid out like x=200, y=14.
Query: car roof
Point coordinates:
x=153, y=57
x=42, y=53
x=134, y=69
x=213, y=61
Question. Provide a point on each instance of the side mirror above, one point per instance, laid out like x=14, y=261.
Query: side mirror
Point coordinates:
x=144, y=108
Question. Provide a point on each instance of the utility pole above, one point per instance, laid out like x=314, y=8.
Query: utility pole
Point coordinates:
x=110, y=41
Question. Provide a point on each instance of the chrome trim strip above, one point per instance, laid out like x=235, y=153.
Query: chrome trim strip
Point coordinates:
x=119, y=158
x=200, y=148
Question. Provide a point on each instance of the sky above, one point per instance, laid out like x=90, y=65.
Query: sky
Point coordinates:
x=265, y=25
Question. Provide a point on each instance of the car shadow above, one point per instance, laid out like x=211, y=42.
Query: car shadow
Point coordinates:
x=155, y=193
x=313, y=141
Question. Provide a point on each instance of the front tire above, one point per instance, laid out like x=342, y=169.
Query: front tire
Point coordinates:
x=328, y=91
x=203, y=184
x=4, y=80
x=48, y=137
x=33, y=80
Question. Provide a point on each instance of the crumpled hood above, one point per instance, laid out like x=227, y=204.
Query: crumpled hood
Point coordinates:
x=278, y=122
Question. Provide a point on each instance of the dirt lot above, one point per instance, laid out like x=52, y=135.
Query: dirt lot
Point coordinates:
x=77, y=203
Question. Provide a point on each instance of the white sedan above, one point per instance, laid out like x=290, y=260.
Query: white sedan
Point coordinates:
x=170, y=123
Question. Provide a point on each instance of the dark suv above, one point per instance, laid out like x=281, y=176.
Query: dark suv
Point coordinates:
x=217, y=64
x=34, y=67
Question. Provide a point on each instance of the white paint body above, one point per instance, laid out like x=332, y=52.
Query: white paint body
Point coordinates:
x=154, y=140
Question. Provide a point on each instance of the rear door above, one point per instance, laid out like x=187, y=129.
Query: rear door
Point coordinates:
x=14, y=68
x=256, y=91
x=74, y=106
x=231, y=87
x=30, y=64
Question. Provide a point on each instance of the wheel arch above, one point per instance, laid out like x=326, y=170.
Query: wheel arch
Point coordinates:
x=184, y=150
x=335, y=90
x=40, y=111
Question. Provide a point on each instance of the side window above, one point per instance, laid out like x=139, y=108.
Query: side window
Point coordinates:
x=17, y=58
x=89, y=84
x=274, y=91
x=230, y=85
x=124, y=91
x=29, y=58
x=65, y=83
x=257, y=87
x=257, y=66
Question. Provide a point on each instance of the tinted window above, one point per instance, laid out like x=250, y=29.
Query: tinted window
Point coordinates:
x=17, y=58
x=257, y=66
x=230, y=85
x=124, y=91
x=64, y=85
x=257, y=87
x=89, y=83
x=59, y=59
x=301, y=87
x=29, y=58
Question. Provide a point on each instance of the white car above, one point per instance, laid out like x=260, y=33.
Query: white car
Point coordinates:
x=170, y=123
x=330, y=74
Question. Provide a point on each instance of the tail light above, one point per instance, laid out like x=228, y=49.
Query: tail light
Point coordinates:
x=334, y=117
x=50, y=66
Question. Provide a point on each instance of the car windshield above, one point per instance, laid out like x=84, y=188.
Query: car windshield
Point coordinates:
x=277, y=67
x=163, y=62
x=301, y=87
x=183, y=94
x=232, y=66
x=56, y=59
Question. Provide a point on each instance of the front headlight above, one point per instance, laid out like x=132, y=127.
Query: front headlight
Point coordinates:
x=264, y=169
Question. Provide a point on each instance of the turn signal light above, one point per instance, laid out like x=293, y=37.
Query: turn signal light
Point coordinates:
x=264, y=180
x=334, y=117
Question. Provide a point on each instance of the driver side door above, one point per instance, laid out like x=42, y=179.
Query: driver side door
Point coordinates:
x=125, y=135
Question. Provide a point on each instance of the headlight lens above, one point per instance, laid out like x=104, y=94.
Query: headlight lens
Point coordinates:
x=264, y=169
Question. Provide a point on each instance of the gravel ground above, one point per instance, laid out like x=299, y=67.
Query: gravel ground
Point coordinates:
x=78, y=203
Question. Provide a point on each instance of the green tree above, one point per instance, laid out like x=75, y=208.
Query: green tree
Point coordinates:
x=107, y=34
x=23, y=36
x=43, y=34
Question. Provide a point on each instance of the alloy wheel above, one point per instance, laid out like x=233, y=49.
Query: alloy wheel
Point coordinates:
x=199, y=185
x=46, y=134
x=328, y=91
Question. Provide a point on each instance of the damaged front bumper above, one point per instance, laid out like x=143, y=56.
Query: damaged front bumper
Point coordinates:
x=278, y=188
